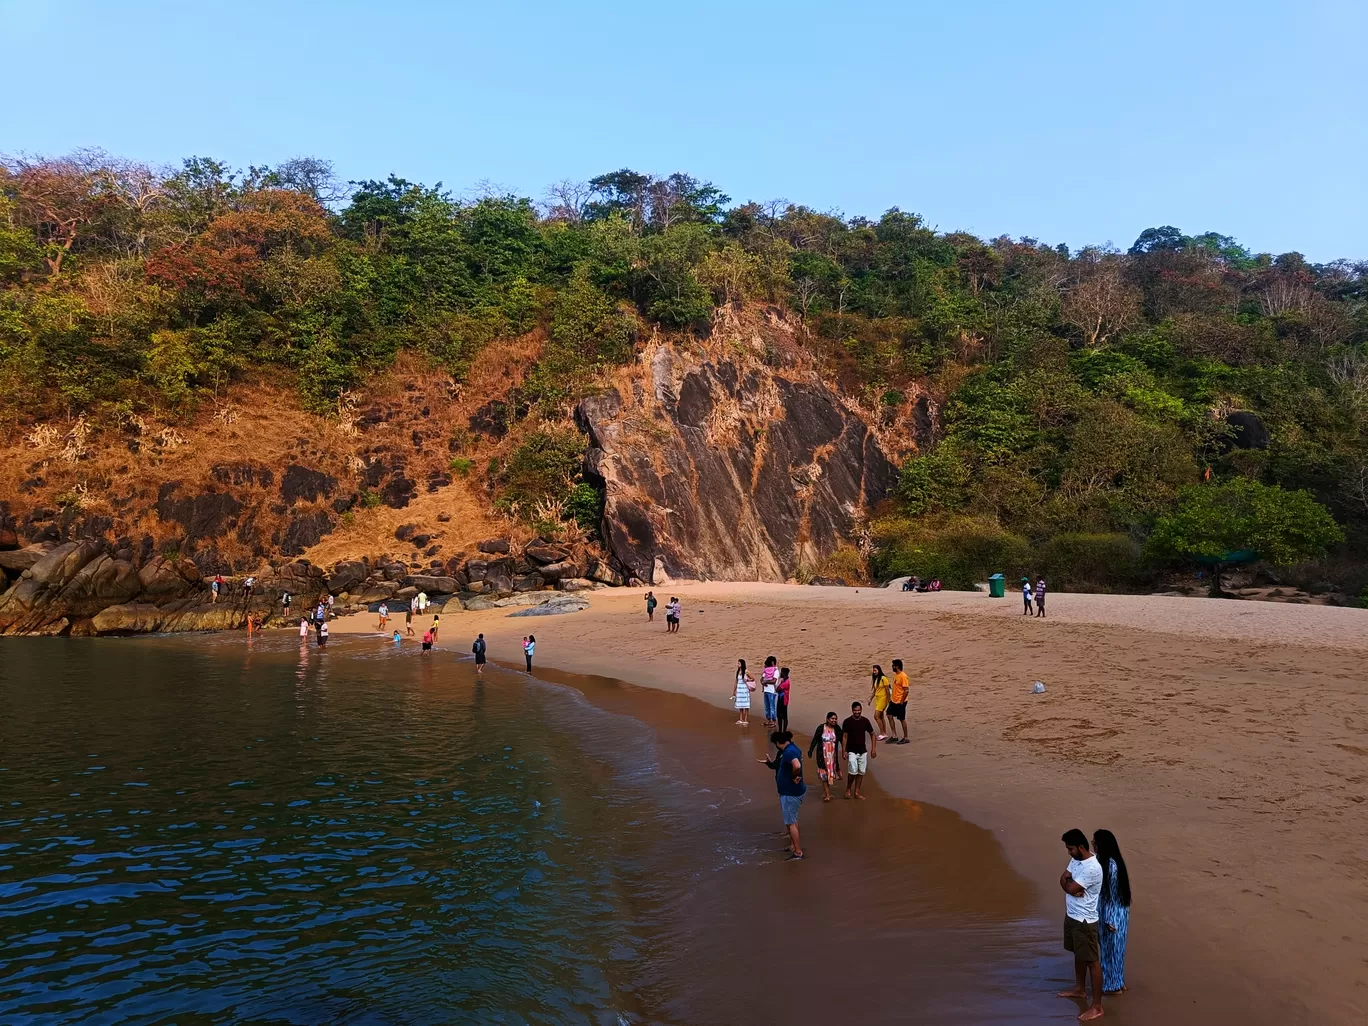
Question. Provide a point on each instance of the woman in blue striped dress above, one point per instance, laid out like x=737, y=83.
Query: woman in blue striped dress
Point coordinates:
x=1114, y=909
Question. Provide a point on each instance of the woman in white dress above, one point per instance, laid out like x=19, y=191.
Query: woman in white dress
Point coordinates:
x=745, y=684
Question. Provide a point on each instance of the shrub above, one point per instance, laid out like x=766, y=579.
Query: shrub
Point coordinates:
x=960, y=551
x=585, y=505
x=845, y=563
x=1089, y=562
x=461, y=465
x=542, y=468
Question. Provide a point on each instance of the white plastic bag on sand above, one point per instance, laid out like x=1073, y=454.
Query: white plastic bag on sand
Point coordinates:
x=1038, y=688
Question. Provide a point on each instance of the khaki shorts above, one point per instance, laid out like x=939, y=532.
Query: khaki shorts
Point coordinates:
x=857, y=763
x=1081, y=939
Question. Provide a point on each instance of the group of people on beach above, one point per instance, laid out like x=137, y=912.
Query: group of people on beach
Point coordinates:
x=672, y=611
x=1028, y=594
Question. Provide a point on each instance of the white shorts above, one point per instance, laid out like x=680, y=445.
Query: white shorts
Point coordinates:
x=858, y=763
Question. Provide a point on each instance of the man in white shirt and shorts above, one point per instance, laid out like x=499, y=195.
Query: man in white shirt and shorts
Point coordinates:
x=1082, y=886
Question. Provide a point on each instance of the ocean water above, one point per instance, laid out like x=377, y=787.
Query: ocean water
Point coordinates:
x=198, y=830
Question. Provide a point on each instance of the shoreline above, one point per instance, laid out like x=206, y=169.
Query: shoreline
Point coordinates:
x=1217, y=739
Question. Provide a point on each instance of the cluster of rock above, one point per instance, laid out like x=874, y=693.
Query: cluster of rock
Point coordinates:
x=493, y=577
x=85, y=588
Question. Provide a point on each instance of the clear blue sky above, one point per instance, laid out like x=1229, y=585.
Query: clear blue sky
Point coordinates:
x=1077, y=122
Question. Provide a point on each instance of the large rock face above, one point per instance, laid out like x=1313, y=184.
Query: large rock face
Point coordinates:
x=729, y=470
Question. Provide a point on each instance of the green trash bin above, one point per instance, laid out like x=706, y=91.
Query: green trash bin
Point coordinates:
x=997, y=586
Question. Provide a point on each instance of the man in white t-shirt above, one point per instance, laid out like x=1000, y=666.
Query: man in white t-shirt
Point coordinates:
x=1082, y=886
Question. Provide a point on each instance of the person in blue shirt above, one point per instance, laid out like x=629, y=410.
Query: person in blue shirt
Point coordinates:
x=788, y=778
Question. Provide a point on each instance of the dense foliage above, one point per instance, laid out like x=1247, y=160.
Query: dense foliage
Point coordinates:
x=1081, y=394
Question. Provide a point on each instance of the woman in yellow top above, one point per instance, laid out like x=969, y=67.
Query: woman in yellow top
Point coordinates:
x=880, y=696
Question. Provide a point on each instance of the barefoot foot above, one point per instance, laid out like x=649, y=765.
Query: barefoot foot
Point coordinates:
x=1092, y=1013
x=1075, y=993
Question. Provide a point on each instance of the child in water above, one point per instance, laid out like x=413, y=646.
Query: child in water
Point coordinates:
x=398, y=638
x=427, y=640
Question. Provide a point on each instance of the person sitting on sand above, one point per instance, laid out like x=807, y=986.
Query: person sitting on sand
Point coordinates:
x=826, y=742
x=479, y=649
x=1081, y=883
x=879, y=695
x=861, y=745
x=744, y=685
x=788, y=778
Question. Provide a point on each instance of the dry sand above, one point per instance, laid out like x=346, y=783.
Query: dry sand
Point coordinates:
x=1225, y=742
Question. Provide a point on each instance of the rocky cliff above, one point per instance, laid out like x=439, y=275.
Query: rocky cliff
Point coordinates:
x=731, y=461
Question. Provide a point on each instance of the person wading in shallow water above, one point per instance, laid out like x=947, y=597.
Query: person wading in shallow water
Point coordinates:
x=479, y=649
x=1081, y=883
x=788, y=778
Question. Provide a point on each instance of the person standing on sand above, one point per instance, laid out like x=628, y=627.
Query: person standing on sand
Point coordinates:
x=529, y=650
x=879, y=695
x=672, y=616
x=1040, y=597
x=479, y=649
x=285, y=598
x=897, y=705
x=788, y=778
x=1082, y=886
x=650, y=607
x=215, y=588
x=1113, y=911
x=436, y=622
x=745, y=684
x=408, y=617
x=384, y=616
x=826, y=741
x=422, y=601
x=769, y=687
x=330, y=605
x=861, y=745
x=1026, y=596
x=781, y=709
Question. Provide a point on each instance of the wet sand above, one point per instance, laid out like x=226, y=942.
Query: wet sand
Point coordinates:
x=1224, y=743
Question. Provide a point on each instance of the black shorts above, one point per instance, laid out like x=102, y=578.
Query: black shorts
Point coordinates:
x=427, y=645
x=897, y=710
x=671, y=619
x=479, y=660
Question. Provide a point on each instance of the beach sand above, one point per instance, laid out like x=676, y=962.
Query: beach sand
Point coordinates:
x=1224, y=742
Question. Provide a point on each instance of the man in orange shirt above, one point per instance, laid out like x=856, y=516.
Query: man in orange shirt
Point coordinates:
x=897, y=706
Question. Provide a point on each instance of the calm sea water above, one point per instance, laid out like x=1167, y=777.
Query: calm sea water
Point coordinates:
x=192, y=830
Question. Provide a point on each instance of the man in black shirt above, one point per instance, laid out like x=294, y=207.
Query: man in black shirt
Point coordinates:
x=861, y=744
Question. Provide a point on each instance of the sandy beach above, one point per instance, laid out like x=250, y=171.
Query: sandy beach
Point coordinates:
x=1225, y=743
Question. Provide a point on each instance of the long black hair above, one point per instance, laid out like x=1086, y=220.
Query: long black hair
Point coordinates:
x=1108, y=851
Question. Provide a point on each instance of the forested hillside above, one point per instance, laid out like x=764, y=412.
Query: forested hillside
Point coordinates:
x=1097, y=413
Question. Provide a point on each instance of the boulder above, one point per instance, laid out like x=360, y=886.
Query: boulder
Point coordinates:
x=576, y=584
x=164, y=577
x=376, y=593
x=558, y=571
x=530, y=582
x=128, y=618
x=499, y=584
x=432, y=585
x=404, y=594
x=499, y=546
x=605, y=574
x=479, y=604
x=829, y=582
x=405, y=531
x=560, y=604
x=541, y=552
x=17, y=561
x=347, y=575
x=476, y=569
x=8, y=539
x=659, y=576
x=526, y=598
x=453, y=605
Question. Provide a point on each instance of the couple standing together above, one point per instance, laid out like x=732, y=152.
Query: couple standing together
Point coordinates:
x=890, y=702
x=1097, y=898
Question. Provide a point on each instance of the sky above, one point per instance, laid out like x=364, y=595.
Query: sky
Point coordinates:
x=1074, y=122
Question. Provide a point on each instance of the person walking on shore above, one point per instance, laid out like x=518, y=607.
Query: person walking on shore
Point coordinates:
x=384, y=616
x=826, y=742
x=745, y=684
x=529, y=650
x=1040, y=597
x=769, y=687
x=1026, y=596
x=1113, y=911
x=861, y=745
x=897, y=705
x=781, y=719
x=479, y=649
x=788, y=778
x=1081, y=883
x=880, y=695
x=650, y=607
x=408, y=617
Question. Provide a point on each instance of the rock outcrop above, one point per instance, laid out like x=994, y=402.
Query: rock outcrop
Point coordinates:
x=728, y=469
